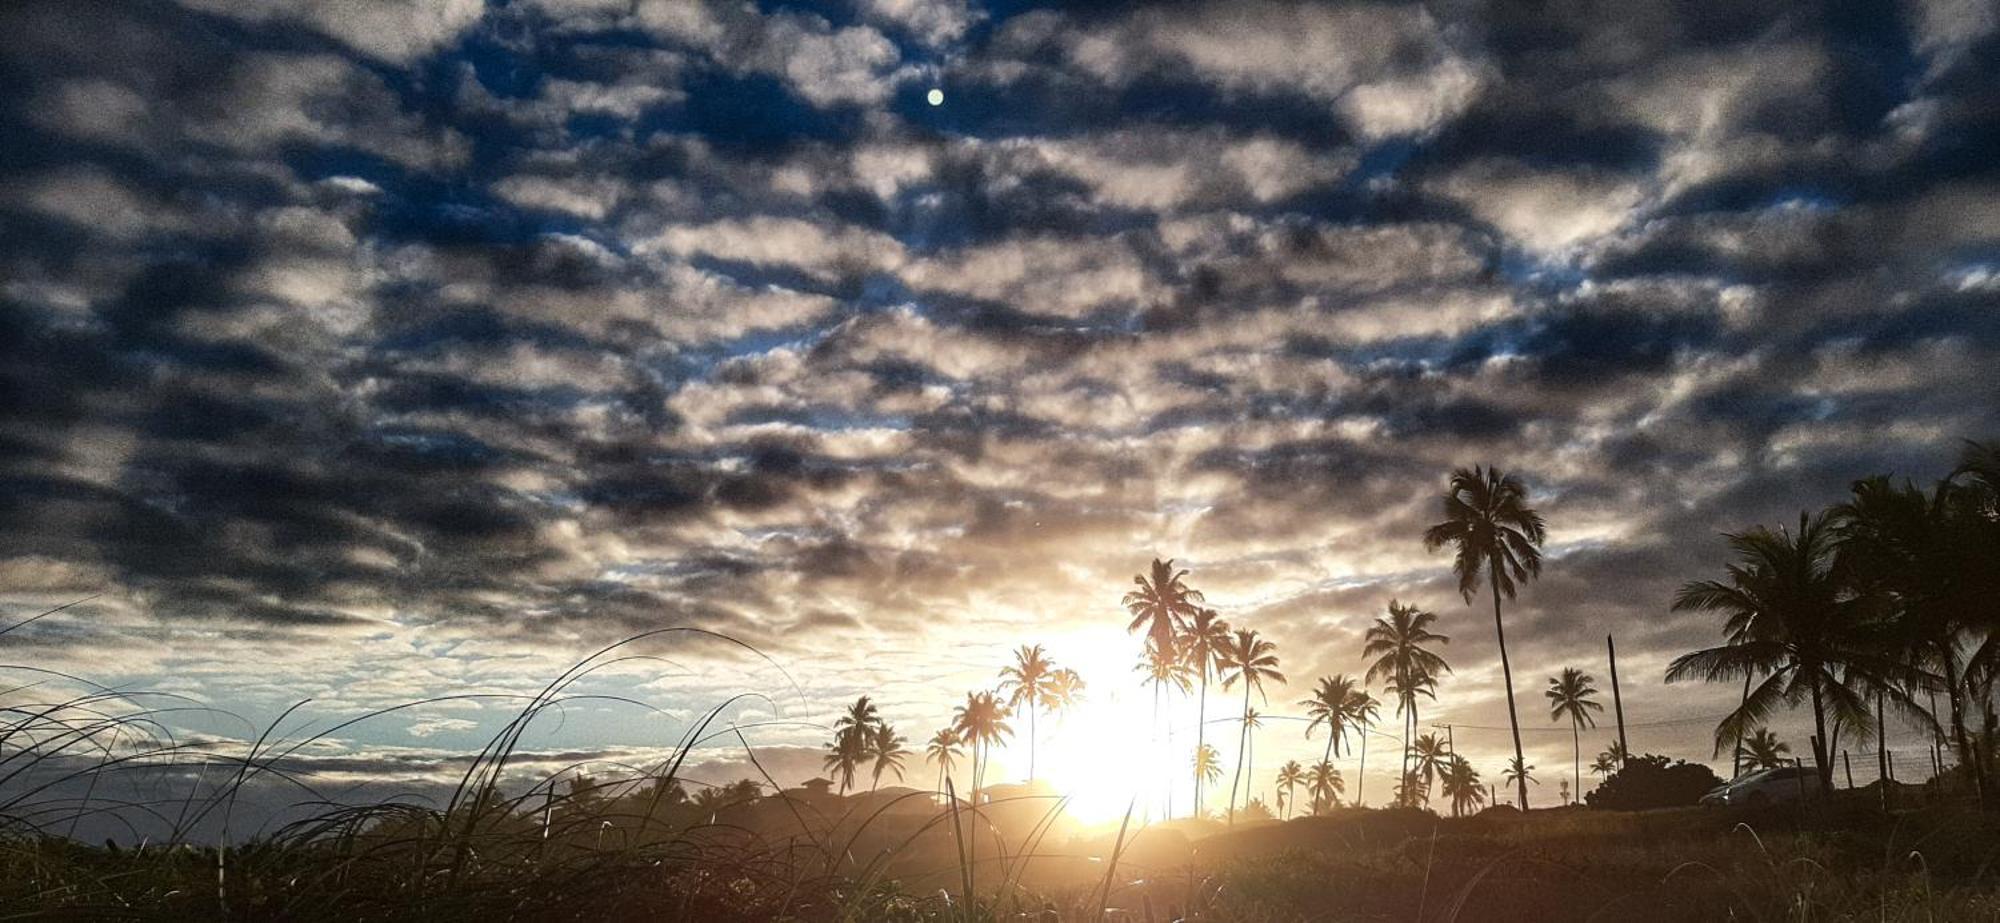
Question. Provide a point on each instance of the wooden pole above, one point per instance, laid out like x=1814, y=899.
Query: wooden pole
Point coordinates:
x=1617, y=701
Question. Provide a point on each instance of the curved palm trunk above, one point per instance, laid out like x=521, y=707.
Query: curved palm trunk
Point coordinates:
x=1242, y=749
x=1361, y=775
x=1031, y=740
x=1576, y=758
x=1822, y=767
x=1737, y=764
x=1507, y=674
x=1966, y=754
x=1328, y=758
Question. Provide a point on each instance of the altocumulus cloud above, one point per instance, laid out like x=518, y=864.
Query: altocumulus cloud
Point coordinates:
x=376, y=349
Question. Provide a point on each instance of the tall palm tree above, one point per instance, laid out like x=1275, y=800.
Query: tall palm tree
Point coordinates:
x=944, y=749
x=981, y=722
x=1207, y=766
x=1324, y=784
x=1397, y=642
x=847, y=752
x=1252, y=720
x=1361, y=711
x=1460, y=783
x=1164, y=672
x=885, y=749
x=1763, y=750
x=1790, y=619
x=1201, y=649
x=860, y=717
x=1290, y=776
x=1026, y=685
x=1489, y=523
x=1428, y=758
x=1162, y=604
x=1573, y=696
x=1253, y=661
x=1329, y=705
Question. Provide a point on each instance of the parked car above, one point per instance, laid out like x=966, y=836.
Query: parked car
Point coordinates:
x=1783, y=785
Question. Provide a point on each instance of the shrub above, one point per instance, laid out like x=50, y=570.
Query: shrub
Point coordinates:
x=1650, y=782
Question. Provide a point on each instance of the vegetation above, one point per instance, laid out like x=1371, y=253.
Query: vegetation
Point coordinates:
x=1653, y=781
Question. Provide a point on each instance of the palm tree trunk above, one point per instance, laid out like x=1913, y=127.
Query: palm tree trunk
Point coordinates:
x=1328, y=758
x=1031, y=741
x=1361, y=775
x=1822, y=767
x=1737, y=764
x=1242, y=745
x=1576, y=758
x=1507, y=674
x=1956, y=697
x=1200, y=735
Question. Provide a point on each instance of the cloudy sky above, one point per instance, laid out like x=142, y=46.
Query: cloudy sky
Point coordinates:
x=363, y=351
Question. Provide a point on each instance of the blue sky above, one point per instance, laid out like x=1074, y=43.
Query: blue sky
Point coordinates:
x=369, y=351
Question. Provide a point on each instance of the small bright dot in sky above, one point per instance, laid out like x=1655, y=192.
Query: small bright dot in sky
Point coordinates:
x=935, y=96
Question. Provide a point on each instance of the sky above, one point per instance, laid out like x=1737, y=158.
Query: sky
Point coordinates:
x=362, y=352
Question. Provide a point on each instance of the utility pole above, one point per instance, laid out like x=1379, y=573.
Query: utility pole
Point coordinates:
x=1617, y=702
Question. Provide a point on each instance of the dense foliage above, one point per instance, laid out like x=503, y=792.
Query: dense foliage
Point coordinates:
x=1653, y=781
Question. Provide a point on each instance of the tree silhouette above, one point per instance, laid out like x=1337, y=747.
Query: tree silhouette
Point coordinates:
x=1329, y=705
x=1026, y=684
x=1162, y=604
x=1461, y=784
x=1604, y=765
x=1763, y=750
x=1201, y=649
x=1489, y=523
x=1324, y=784
x=1162, y=670
x=1518, y=774
x=1207, y=766
x=1428, y=760
x=847, y=752
x=981, y=722
x=1572, y=696
x=1290, y=776
x=885, y=749
x=944, y=749
x=1397, y=642
x=1361, y=711
x=1253, y=661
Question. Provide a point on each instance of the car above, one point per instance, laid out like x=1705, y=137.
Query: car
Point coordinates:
x=1782, y=785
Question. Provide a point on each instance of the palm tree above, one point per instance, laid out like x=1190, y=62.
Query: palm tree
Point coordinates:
x=1461, y=785
x=1791, y=619
x=1763, y=750
x=1163, y=671
x=1162, y=604
x=981, y=722
x=1207, y=766
x=859, y=718
x=1026, y=685
x=1489, y=523
x=1252, y=720
x=1615, y=752
x=944, y=750
x=1604, y=766
x=847, y=752
x=885, y=748
x=1360, y=711
x=1201, y=649
x=1324, y=784
x=1572, y=696
x=1428, y=759
x=1518, y=774
x=1397, y=644
x=1253, y=661
x=1065, y=690
x=1328, y=705
x=1290, y=776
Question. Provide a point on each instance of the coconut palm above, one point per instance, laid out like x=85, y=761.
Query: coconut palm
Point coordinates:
x=1065, y=690
x=1397, y=642
x=1252, y=720
x=1253, y=661
x=860, y=718
x=1328, y=705
x=1025, y=683
x=1290, y=776
x=1428, y=757
x=1791, y=620
x=1572, y=696
x=1460, y=783
x=1162, y=604
x=981, y=722
x=1518, y=774
x=886, y=751
x=944, y=749
x=1361, y=711
x=1324, y=784
x=1604, y=766
x=1207, y=764
x=1492, y=529
x=1165, y=673
x=847, y=752
x=1763, y=750
x=1201, y=648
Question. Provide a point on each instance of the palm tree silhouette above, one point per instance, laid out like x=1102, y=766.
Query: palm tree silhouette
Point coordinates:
x=1461, y=785
x=1427, y=760
x=1324, y=784
x=1201, y=649
x=1162, y=670
x=1604, y=766
x=1253, y=661
x=1360, y=711
x=847, y=752
x=1330, y=704
x=1207, y=766
x=981, y=722
x=1571, y=696
x=1065, y=690
x=944, y=749
x=1488, y=522
x=1789, y=619
x=1763, y=750
x=1518, y=774
x=1397, y=644
x=1162, y=604
x=1026, y=684
x=859, y=718
x=885, y=748
x=1290, y=776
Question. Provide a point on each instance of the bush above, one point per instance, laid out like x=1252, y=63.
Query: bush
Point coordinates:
x=1649, y=782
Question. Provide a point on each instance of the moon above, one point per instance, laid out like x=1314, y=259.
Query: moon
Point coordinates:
x=935, y=97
